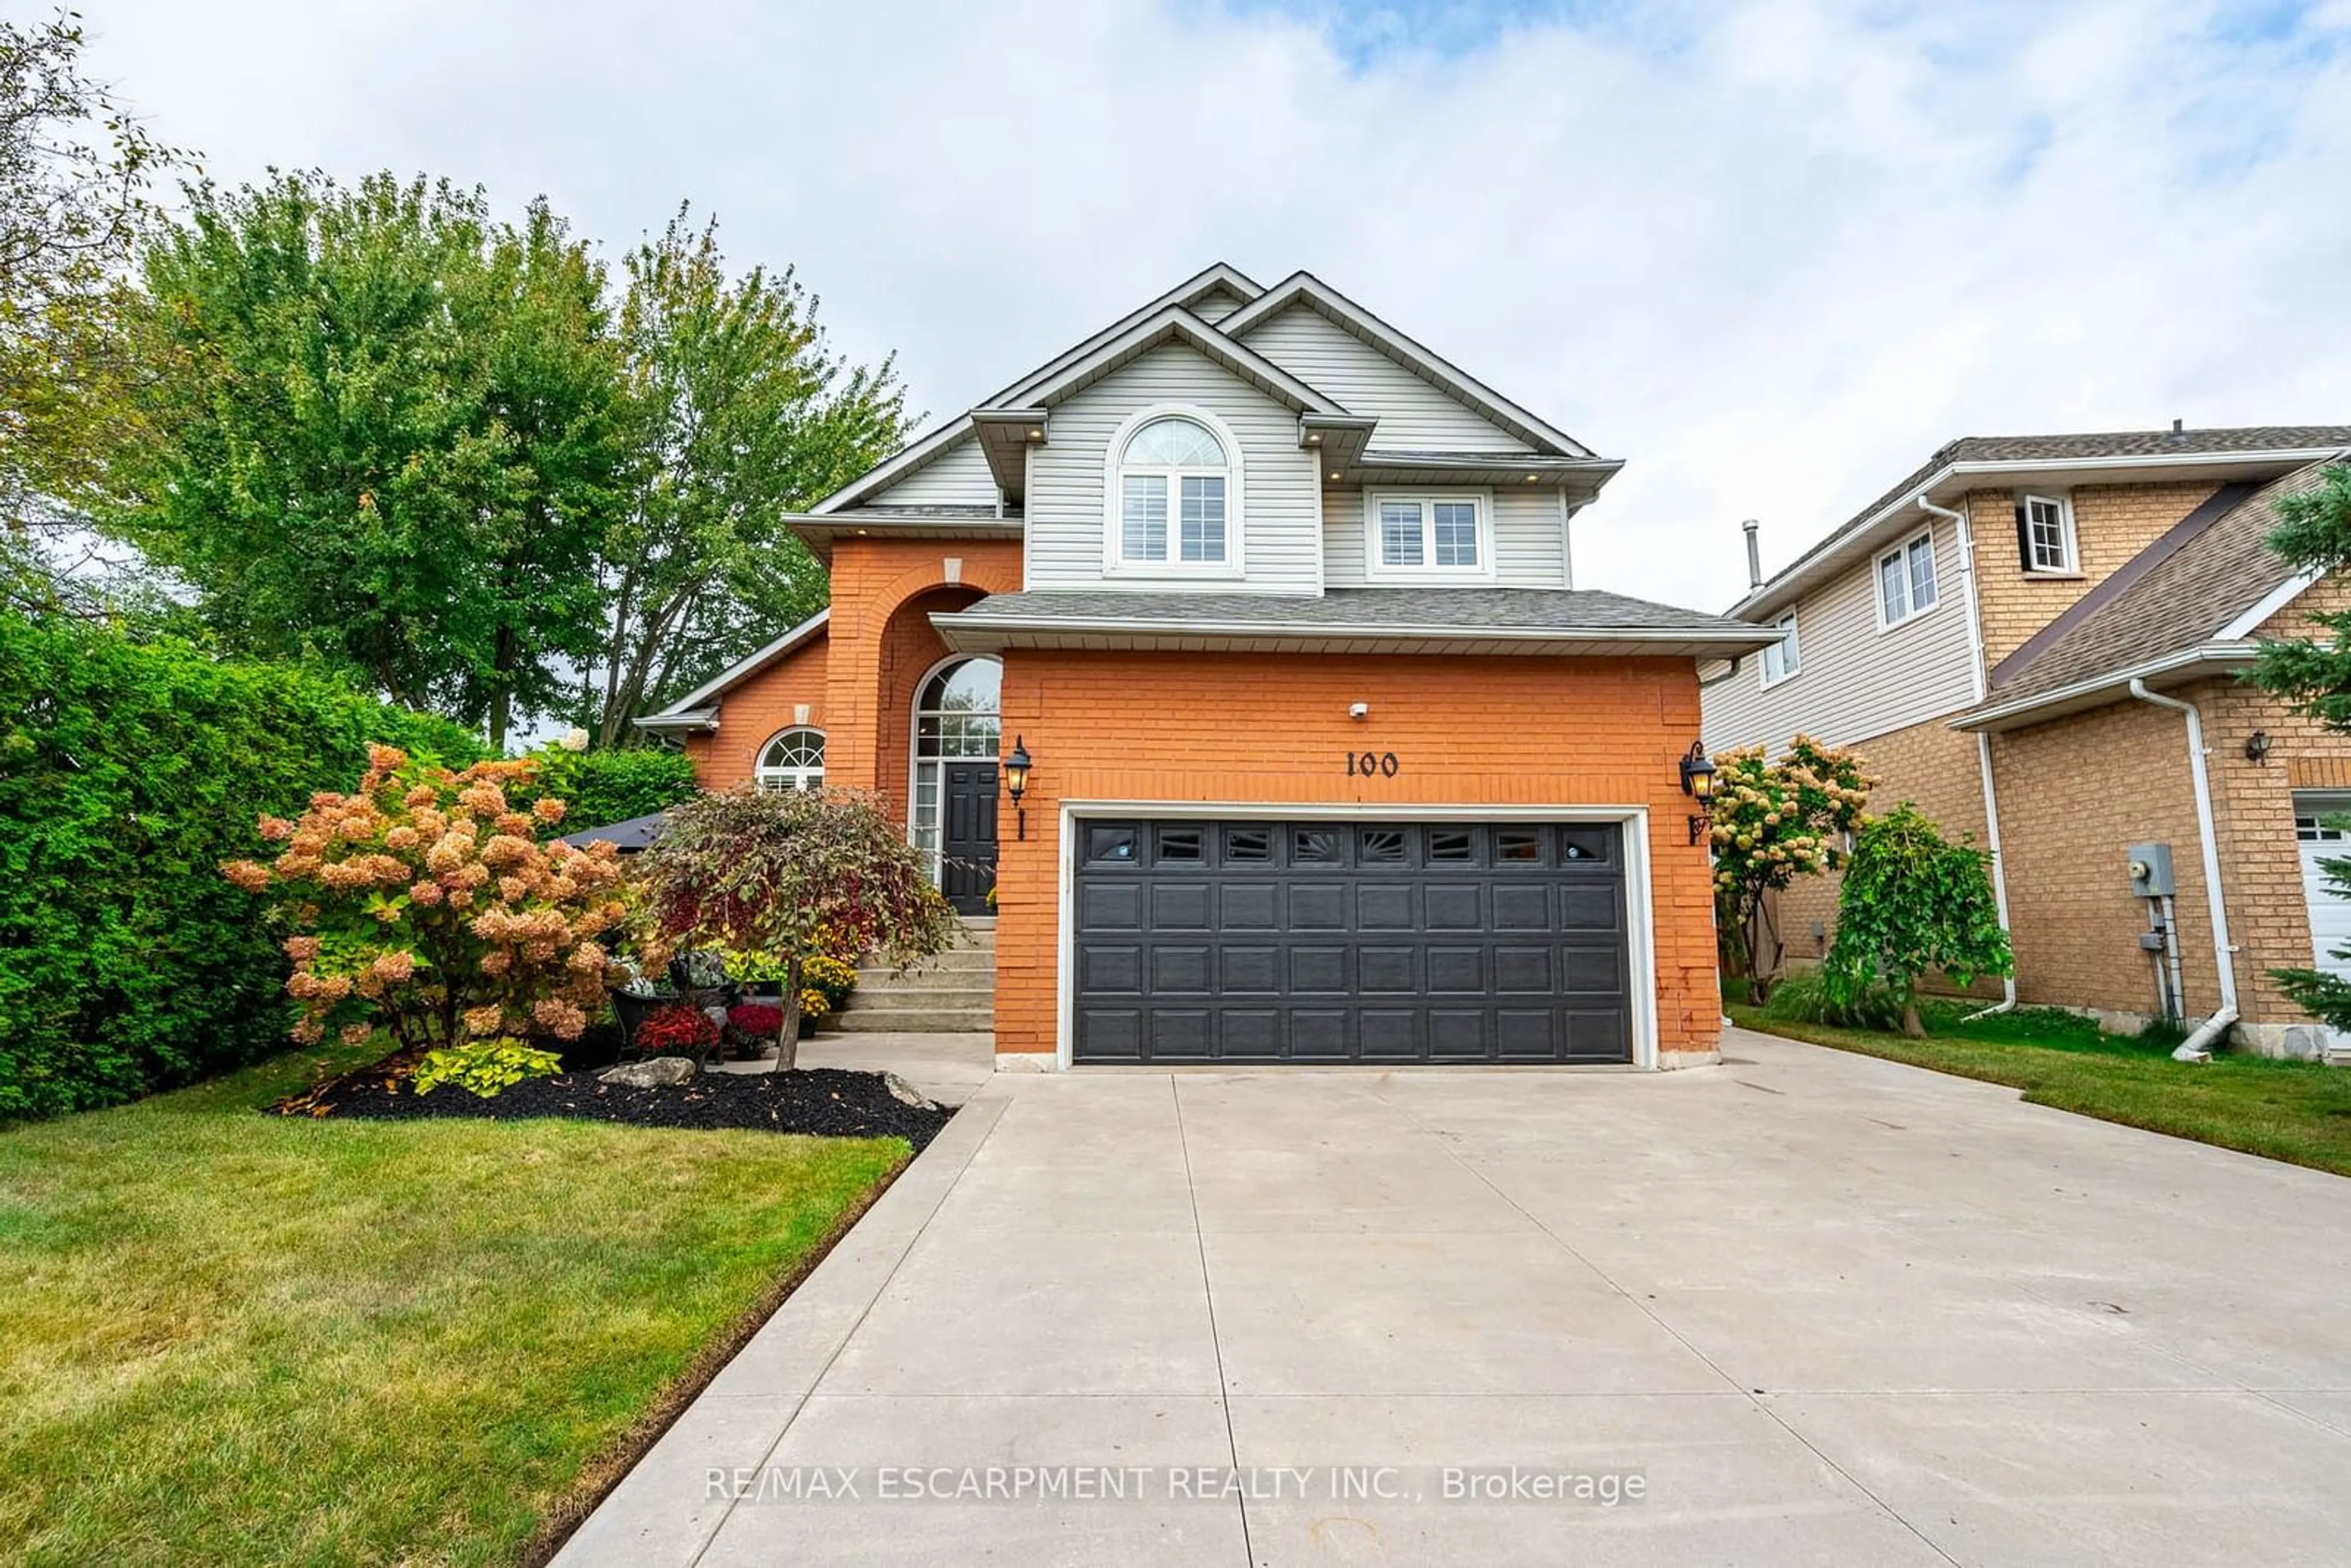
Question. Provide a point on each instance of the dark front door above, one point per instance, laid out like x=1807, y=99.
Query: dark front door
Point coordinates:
x=968, y=847
x=1344, y=941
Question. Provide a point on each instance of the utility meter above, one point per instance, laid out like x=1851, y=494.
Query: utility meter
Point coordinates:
x=2150, y=871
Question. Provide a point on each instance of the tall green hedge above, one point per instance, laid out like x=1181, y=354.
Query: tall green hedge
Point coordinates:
x=600, y=787
x=128, y=772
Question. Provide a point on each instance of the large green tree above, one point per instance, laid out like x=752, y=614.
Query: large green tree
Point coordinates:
x=746, y=416
x=382, y=429
x=2314, y=675
x=74, y=173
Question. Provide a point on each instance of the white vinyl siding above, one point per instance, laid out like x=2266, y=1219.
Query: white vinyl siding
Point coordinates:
x=1856, y=683
x=1271, y=534
x=957, y=478
x=1215, y=307
x=1414, y=415
x=1529, y=542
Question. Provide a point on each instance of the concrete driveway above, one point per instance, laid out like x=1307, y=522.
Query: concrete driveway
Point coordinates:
x=1811, y=1306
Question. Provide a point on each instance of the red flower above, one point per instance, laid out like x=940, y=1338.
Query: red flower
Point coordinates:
x=760, y=1020
x=678, y=1028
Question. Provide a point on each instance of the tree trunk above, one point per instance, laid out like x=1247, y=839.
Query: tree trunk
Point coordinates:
x=1912, y=1024
x=788, y=1039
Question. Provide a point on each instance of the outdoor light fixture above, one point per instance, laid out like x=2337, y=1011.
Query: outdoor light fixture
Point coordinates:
x=2257, y=747
x=1016, y=780
x=1698, y=783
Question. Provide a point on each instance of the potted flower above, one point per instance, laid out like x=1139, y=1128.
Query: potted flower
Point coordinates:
x=679, y=1028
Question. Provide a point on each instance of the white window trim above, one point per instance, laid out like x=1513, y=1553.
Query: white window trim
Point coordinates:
x=766, y=777
x=1763, y=665
x=1115, y=561
x=1428, y=570
x=1877, y=581
x=2065, y=504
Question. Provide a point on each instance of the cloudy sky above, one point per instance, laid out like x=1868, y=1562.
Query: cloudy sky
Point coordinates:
x=1771, y=253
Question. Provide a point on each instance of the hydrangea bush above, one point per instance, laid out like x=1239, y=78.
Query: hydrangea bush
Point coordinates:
x=423, y=908
x=1773, y=823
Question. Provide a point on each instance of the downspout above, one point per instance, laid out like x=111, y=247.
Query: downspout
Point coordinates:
x=2007, y=1002
x=2197, y=1047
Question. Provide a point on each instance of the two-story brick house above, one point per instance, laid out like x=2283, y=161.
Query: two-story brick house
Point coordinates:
x=1331, y=760
x=2039, y=641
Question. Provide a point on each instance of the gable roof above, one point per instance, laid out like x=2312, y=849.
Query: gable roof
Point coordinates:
x=1000, y=422
x=1303, y=288
x=2186, y=605
x=696, y=708
x=2250, y=452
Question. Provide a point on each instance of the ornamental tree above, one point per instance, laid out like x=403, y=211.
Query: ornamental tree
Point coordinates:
x=790, y=874
x=1773, y=823
x=1913, y=903
x=423, y=904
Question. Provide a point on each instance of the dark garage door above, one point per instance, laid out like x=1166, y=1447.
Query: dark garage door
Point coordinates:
x=1262, y=941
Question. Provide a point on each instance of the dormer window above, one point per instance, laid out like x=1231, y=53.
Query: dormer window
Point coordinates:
x=1174, y=480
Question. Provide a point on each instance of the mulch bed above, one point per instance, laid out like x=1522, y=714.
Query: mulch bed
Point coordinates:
x=824, y=1101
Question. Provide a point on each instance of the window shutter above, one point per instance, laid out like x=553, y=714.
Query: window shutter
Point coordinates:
x=2023, y=537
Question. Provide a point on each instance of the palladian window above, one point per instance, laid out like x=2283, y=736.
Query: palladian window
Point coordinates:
x=1171, y=488
x=793, y=760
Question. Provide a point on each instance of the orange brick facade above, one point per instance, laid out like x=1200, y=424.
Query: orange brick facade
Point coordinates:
x=1274, y=730
x=1254, y=729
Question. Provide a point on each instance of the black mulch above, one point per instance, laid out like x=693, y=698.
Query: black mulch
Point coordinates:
x=825, y=1101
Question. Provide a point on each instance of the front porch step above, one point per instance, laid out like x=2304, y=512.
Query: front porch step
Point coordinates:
x=908, y=1016
x=926, y=981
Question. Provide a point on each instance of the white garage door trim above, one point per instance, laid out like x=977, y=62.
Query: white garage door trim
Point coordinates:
x=2320, y=907
x=1640, y=928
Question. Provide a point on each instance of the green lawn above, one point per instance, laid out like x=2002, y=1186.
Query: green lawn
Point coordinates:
x=228, y=1337
x=2292, y=1111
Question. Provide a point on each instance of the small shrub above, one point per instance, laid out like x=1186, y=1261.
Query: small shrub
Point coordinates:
x=814, y=1005
x=485, y=1067
x=605, y=787
x=1913, y=903
x=676, y=1030
x=1807, y=998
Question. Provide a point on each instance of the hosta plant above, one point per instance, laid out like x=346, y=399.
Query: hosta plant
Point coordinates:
x=422, y=906
x=483, y=1066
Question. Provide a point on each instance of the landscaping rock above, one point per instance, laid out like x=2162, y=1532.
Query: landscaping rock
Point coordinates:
x=657, y=1072
x=906, y=1093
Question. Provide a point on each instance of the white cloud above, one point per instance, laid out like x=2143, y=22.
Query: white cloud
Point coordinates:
x=1772, y=253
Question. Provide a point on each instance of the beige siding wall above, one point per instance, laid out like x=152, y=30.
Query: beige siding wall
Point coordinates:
x=2112, y=523
x=1857, y=681
x=1279, y=515
x=1414, y=415
x=957, y=478
x=1530, y=540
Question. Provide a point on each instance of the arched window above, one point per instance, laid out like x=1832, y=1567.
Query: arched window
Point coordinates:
x=1171, y=481
x=793, y=760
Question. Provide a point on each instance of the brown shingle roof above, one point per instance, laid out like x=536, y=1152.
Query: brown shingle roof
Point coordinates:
x=2120, y=445
x=2179, y=593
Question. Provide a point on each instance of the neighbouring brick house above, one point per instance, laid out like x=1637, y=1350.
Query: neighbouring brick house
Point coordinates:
x=2024, y=636
x=1332, y=760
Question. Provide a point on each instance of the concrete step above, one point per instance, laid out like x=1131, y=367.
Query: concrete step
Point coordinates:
x=899, y=1017
x=940, y=996
x=965, y=960
x=882, y=982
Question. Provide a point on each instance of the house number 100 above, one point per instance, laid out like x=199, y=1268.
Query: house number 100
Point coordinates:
x=1370, y=764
